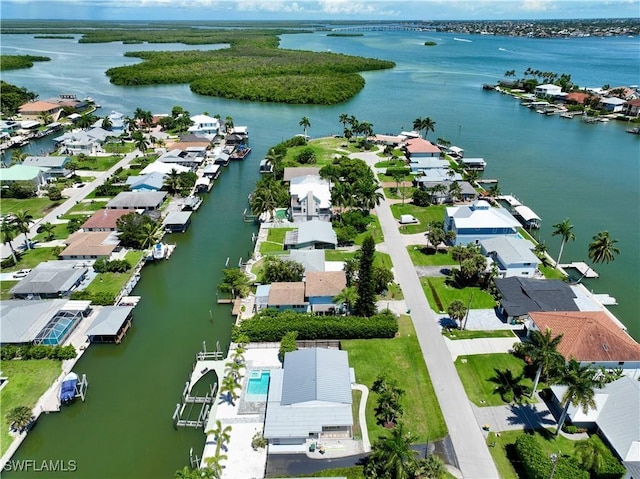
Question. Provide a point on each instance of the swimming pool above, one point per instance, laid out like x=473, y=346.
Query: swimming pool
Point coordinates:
x=257, y=386
x=56, y=331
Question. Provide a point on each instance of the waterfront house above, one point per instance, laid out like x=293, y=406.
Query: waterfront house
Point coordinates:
x=632, y=108
x=34, y=109
x=479, y=221
x=521, y=296
x=420, y=148
x=312, y=260
x=47, y=322
x=321, y=287
x=90, y=245
x=387, y=140
x=262, y=297
x=612, y=104
x=137, y=200
x=52, y=166
x=110, y=324
x=164, y=168
x=308, y=398
x=310, y=198
x=150, y=182
x=513, y=256
x=118, y=123
x=51, y=279
x=9, y=127
x=548, y=90
x=204, y=125
x=86, y=142
x=615, y=419
x=590, y=337
x=177, y=221
x=287, y=295
x=291, y=172
x=191, y=157
x=578, y=98
x=314, y=234
x=104, y=220
x=23, y=173
x=421, y=164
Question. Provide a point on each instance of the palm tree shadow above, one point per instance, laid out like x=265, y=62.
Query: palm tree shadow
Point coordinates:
x=529, y=417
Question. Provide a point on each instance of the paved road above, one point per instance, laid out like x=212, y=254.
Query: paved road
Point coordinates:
x=76, y=195
x=470, y=447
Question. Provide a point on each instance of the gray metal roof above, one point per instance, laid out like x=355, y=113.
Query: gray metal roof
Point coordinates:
x=137, y=199
x=50, y=277
x=312, y=260
x=46, y=161
x=109, y=321
x=316, y=230
x=510, y=250
x=153, y=180
x=21, y=321
x=178, y=218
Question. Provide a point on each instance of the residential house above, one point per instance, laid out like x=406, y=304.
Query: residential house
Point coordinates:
x=50, y=279
x=164, y=168
x=591, y=338
x=83, y=142
x=310, y=198
x=420, y=148
x=191, y=157
x=387, y=140
x=287, y=295
x=308, y=398
x=104, y=220
x=137, y=200
x=23, y=173
x=89, y=245
x=578, y=98
x=472, y=223
x=118, y=123
x=421, y=164
x=321, y=287
x=47, y=322
x=35, y=109
x=615, y=419
x=548, y=90
x=52, y=166
x=9, y=126
x=204, y=125
x=311, y=259
x=632, y=108
x=291, y=172
x=519, y=297
x=612, y=104
x=513, y=256
x=314, y=234
x=150, y=182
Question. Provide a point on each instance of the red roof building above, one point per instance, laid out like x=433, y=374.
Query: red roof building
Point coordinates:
x=104, y=220
x=419, y=147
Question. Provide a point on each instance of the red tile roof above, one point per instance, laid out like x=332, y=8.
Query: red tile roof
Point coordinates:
x=420, y=145
x=104, y=219
x=38, y=106
x=578, y=97
x=588, y=336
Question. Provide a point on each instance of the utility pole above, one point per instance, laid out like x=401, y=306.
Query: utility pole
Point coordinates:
x=468, y=309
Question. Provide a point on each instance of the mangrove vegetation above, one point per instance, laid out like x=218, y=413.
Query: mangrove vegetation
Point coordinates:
x=15, y=62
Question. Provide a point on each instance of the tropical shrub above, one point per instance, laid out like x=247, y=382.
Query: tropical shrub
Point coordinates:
x=537, y=465
x=287, y=344
x=28, y=351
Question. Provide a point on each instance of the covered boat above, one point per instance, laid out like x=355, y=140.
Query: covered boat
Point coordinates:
x=68, y=388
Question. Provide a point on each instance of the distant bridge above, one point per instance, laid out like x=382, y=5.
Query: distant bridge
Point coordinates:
x=378, y=28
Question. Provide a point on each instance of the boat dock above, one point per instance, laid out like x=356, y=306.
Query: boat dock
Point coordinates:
x=583, y=268
x=527, y=217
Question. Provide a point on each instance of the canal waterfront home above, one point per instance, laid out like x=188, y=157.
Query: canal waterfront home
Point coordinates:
x=205, y=125
x=310, y=199
x=478, y=221
x=420, y=148
x=51, y=280
x=548, y=90
x=320, y=289
x=137, y=200
x=287, y=295
x=22, y=173
x=309, y=399
x=34, y=110
x=314, y=234
x=612, y=104
x=164, y=168
x=52, y=166
x=192, y=157
x=291, y=172
x=80, y=141
x=421, y=164
x=90, y=245
x=149, y=182
x=632, y=108
x=593, y=338
x=513, y=256
x=104, y=220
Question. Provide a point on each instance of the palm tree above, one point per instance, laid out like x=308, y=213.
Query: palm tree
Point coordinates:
x=426, y=124
x=509, y=387
x=131, y=124
x=222, y=434
x=233, y=368
x=17, y=157
x=229, y=386
x=563, y=229
x=392, y=456
x=106, y=123
x=541, y=251
x=140, y=141
x=48, y=228
x=591, y=453
x=581, y=383
x=348, y=296
x=150, y=234
x=344, y=119
x=305, y=123
x=21, y=220
x=457, y=311
x=172, y=182
x=367, y=195
x=455, y=191
x=342, y=196
x=494, y=190
x=228, y=124
x=542, y=351
x=20, y=416
x=45, y=118
x=602, y=248
x=8, y=231
x=472, y=176
x=431, y=467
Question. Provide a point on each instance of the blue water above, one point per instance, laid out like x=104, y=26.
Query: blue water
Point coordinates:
x=59, y=332
x=258, y=386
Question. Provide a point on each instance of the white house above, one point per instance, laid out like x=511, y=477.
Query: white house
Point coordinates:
x=512, y=255
x=310, y=198
x=204, y=125
x=309, y=398
x=479, y=221
x=421, y=164
x=80, y=141
x=612, y=104
x=548, y=90
x=52, y=166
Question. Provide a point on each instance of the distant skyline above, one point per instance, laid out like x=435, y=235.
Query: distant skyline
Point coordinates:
x=272, y=10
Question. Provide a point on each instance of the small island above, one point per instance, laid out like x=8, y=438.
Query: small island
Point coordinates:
x=430, y=44
x=15, y=62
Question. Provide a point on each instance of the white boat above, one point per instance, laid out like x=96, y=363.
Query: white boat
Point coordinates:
x=159, y=251
x=566, y=115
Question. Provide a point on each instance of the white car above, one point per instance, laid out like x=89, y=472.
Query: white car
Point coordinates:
x=21, y=273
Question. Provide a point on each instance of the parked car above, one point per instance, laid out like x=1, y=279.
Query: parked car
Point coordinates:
x=21, y=273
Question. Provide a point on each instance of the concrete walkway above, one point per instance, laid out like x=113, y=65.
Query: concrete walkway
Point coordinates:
x=468, y=442
x=366, y=444
x=466, y=347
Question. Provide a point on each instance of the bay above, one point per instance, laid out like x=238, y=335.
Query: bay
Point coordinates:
x=560, y=168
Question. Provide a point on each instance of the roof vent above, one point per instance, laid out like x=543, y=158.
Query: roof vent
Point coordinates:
x=605, y=347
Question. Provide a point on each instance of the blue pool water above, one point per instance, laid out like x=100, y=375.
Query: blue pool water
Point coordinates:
x=257, y=386
x=58, y=333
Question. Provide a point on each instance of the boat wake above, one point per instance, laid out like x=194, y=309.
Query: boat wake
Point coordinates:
x=462, y=40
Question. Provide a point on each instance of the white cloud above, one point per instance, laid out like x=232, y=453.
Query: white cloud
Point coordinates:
x=537, y=5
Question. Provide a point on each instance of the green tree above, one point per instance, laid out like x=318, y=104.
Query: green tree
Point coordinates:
x=17, y=157
x=287, y=344
x=509, y=387
x=602, y=249
x=426, y=124
x=591, y=453
x=236, y=282
x=542, y=351
x=276, y=270
x=366, y=302
x=136, y=231
x=22, y=219
x=344, y=119
x=367, y=195
x=565, y=230
x=172, y=182
x=48, y=229
x=221, y=433
x=348, y=296
x=140, y=141
x=457, y=310
x=431, y=467
x=305, y=123
x=580, y=382
x=8, y=231
x=392, y=457
x=268, y=195
x=228, y=123
x=54, y=193
x=107, y=124
x=19, y=416
x=228, y=388
x=388, y=408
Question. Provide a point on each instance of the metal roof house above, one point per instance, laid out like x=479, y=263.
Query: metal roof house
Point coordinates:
x=149, y=182
x=311, y=260
x=514, y=256
x=52, y=166
x=137, y=200
x=314, y=234
x=309, y=398
x=32, y=174
x=51, y=279
x=479, y=221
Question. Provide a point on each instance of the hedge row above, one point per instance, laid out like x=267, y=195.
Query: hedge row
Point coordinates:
x=400, y=170
x=10, y=352
x=537, y=464
x=271, y=326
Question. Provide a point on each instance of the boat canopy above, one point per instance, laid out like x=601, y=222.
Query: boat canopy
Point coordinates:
x=527, y=213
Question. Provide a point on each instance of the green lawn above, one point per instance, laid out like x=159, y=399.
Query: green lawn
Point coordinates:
x=59, y=232
x=338, y=255
x=447, y=294
x=33, y=257
x=112, y=283
x=476, y=370
x=128, y=147
x=5, y=286
x=96, y=163
x=396, y=193
x=503, y=453
x=473, y=334
x=274, y=243
x=425, y=215
x=550, y=272
x=37, y=207
x=28, y=380
x=355, y=407
x=324, y=149
x=390, y=163
x=86, y=206
x=419, y=258
x=400, y=359
x=373, y=229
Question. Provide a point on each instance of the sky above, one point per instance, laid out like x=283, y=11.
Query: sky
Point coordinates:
x=215, y=10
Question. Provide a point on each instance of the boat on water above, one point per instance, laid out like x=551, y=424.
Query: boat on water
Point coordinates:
x=159, y=251
x=634, y=131
x=68, y=388
x=566, y=115
x=240, y=153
